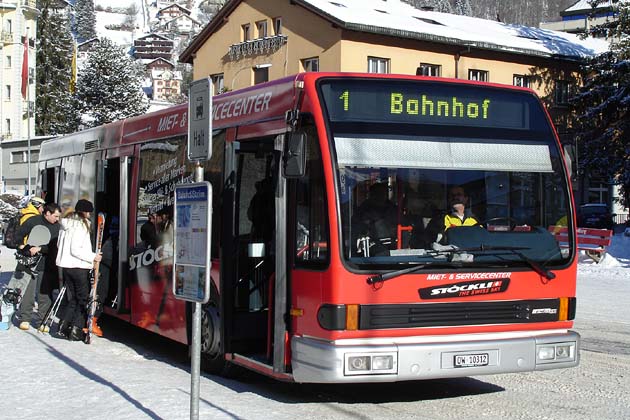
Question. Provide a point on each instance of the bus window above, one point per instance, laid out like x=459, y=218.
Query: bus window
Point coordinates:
x=311, y=215
x=398, y=144
x=162, y=165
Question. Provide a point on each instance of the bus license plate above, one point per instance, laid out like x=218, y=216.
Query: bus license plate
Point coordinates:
x=471, y=360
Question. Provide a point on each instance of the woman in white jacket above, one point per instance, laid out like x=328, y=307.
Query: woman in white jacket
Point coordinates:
x=76, y=257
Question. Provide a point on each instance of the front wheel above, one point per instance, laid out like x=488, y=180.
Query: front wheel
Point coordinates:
x=212, y=359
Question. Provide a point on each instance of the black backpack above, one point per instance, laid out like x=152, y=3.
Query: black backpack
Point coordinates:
x=10, y=233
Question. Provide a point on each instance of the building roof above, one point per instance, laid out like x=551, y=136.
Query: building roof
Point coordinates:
x=160, y=59
x=170, y=6
x=584, y=6
x=153, y=35
x=397, y=19
x=180, y=17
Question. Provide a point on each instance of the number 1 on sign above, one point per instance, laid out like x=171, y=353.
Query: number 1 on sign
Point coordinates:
x=345, y=97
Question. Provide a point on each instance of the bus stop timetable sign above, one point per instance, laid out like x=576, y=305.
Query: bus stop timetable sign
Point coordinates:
x=191, y=264
x=200, y=120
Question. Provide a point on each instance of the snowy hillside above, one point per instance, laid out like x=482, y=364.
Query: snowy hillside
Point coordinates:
x=108, y=14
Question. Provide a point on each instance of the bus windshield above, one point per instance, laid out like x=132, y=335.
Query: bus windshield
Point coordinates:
x=435, y=172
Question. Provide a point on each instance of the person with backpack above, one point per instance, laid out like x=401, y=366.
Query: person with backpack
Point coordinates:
x=22, y=275
x=76, y=257
x=33, y=207
x=49, y=219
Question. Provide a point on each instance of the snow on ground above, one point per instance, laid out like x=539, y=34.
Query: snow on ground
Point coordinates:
x=119, y=376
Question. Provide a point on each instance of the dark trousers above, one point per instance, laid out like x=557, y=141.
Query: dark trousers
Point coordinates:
x=33, y=291
x=77, y=281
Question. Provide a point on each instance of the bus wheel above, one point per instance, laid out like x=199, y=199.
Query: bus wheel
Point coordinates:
x=212, y=360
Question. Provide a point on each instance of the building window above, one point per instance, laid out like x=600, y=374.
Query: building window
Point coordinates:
x=261, y=75
x=261, y=27
x=521, y=80
x=246, y=32
x=7, y=92
x=8, y=63
x=562, y=92
x=277, y=26
x=18, y=157
x=478, y=75
x=7, y=125
x=378, y=65
x=426, y=69
x=310, y=64
x=217, y=82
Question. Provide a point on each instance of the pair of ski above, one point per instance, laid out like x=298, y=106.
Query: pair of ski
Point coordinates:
x=92, y=304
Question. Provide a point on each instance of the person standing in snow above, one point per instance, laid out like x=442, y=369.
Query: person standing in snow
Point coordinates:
x=48, y=219
x=76, y=258
x=22, y=276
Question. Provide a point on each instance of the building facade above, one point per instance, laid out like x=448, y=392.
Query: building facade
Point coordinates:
x=252, y=41
x=18, y=24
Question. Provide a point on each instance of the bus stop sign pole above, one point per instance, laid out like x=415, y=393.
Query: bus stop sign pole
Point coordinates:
x=193, y=215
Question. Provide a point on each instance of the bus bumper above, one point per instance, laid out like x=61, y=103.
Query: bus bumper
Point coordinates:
x=373, y=360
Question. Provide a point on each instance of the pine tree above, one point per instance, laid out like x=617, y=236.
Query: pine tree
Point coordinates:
x=55, y=109
x=462, y=7
x=601, y=107
x=85, y=20
x=109, y=86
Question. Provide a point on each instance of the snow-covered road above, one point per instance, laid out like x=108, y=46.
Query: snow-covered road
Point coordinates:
x=134, y=375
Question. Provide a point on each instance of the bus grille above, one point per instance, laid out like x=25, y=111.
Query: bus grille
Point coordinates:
x=462, y=313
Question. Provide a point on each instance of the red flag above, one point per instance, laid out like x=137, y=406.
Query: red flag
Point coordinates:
x=25, y=67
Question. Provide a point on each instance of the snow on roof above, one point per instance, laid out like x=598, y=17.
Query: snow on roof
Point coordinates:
x=174, y=5
x=395, y=18
x=583, y=5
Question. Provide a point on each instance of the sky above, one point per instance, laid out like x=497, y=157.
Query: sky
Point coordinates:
x=119, y=376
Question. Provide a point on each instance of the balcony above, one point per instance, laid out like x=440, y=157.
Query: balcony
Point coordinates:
x=266, y=45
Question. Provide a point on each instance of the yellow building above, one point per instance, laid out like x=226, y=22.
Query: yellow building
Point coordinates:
x=251, y=41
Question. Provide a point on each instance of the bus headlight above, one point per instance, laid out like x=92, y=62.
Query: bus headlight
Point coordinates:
x=382, y=362
x=370, y=364
x=558, y=352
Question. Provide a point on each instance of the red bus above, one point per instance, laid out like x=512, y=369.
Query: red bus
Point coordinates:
x=332, y=261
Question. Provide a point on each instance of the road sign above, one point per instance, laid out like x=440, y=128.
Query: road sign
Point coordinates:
x=191, y=264
x=200, y=120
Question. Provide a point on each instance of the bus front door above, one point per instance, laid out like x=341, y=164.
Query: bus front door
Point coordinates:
x=248, y=256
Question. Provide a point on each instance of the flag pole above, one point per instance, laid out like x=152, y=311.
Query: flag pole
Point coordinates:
x=28, y=111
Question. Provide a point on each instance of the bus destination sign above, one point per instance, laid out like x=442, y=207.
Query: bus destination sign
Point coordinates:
x=436, y=103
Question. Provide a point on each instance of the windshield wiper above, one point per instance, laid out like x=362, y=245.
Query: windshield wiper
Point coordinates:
x=515, y=250
x=537, y=267
x=388, y=276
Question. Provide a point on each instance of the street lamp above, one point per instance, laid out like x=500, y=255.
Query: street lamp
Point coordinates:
x=257, y=67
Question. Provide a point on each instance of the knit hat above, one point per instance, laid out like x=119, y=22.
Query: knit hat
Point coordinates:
x=84, y=206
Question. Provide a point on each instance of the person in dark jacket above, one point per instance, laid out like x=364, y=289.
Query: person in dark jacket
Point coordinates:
x=44, y=268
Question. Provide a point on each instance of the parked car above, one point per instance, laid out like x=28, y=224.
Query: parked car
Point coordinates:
x=595, y=216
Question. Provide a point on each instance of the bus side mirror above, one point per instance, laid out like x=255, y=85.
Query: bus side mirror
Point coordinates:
x=295, y=155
